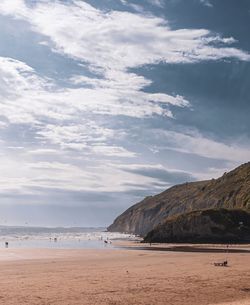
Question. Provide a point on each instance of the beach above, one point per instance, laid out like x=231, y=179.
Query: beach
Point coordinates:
x=122, y=276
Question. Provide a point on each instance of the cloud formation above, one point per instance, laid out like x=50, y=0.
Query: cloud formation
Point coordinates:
x=92, y=133
x=118, y=40
x=192, y=142
x=36, y=98
x=110, y=43
x=159, y=172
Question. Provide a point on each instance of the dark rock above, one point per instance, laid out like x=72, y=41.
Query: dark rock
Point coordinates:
x=205, y=226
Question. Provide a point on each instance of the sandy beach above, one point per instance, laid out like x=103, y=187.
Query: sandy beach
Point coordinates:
x=116, y=277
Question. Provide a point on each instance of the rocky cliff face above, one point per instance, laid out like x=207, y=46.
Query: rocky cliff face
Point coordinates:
x=215, y=225
x=232, y=190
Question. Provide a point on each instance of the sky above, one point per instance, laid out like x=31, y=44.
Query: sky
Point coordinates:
x=104, y=102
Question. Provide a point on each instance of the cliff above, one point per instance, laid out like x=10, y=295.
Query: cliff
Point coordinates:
x=232, y=190
x=204, y=226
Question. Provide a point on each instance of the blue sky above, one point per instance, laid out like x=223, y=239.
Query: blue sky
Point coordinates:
x=106, y=102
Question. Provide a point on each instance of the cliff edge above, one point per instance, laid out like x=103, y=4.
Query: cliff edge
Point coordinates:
x=230, y=191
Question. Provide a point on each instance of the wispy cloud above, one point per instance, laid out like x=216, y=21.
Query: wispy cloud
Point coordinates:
x=159, y=172
x=206, y=3
x=121, y=39
x=30, y=176
x=159, y=3
x=193, y=142
x=36, y=98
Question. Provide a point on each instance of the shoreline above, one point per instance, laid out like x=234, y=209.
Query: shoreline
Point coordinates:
x=187, y=249
x=13, y=253
x=184, y=247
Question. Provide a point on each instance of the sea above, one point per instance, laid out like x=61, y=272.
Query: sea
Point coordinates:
x=61, y=238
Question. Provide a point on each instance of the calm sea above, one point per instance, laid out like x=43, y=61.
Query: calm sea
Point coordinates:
x=64, y=238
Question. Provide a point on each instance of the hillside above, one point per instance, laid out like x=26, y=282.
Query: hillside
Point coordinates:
x=214, y=225
x=232, y=190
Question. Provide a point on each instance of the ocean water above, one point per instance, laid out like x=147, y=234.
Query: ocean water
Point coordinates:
x=62, y=238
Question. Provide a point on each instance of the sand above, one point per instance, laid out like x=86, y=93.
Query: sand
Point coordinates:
x=122, y=277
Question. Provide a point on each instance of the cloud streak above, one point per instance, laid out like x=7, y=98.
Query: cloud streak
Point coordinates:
x=196, y=143
x=117, y=40
x=159, y=172
x=206, y=3
x=35, y=99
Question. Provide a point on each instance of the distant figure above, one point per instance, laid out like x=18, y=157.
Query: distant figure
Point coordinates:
x=105, y=241
x=55, y=239
x=222, y=264
x=6, y=244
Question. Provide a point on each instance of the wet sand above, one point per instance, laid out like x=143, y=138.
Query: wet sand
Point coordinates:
x=122, y=277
